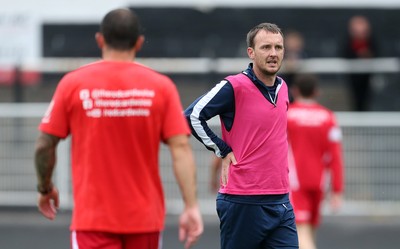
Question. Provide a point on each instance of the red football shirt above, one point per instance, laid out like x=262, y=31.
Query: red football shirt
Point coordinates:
x=116, y=113
x=315, y=146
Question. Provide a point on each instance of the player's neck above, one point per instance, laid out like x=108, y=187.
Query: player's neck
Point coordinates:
x=116, y=55
x=306, y=100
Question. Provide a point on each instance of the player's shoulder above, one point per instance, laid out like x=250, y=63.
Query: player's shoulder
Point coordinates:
x=150, y=71
x=154, y=78
x=138, y=69
x=87, y=67
x=311, y=105
x=314, y=108
x=323, y=109
x=330, y=117
x=81, y=71
x=326, y=109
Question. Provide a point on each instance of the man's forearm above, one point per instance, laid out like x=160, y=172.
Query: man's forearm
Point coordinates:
x=45, y=160
x=185, y=173
x=184, y=168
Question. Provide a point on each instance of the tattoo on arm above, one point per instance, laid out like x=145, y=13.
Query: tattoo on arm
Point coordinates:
x=45, y=158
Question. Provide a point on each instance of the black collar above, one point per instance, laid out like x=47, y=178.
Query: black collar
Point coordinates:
x=250, y=73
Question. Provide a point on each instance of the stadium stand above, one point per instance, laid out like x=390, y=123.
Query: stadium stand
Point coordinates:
x=188, y=32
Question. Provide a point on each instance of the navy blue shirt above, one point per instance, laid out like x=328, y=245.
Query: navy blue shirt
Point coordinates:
x=221, y=101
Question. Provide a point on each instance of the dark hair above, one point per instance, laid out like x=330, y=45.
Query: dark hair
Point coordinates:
x=307, y=84
x=120, y=28
x=270, y=27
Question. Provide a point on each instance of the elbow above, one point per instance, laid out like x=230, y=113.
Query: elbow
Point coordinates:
x=41, y=146
x=45, y=144
x=187, y=116
x=187, y=113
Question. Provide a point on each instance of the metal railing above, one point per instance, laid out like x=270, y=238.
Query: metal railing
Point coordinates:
x=371, y=152
x=204, y=65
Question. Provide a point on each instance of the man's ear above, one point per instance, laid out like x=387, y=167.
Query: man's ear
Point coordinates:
x=99, y=40
x=250, y=53
x=139, y=43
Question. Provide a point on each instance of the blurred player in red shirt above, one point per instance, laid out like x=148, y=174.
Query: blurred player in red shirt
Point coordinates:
x=117, y=113
x=315, y=148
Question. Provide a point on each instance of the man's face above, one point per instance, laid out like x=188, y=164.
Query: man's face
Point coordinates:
x=268, y=51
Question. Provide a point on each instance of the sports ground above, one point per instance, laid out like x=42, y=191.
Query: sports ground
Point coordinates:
x=25, y=229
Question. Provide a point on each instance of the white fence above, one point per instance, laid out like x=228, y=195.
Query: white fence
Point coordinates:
x=371, y=152
x=223, y=65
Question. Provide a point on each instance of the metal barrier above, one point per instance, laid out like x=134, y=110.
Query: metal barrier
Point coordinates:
x=371, y=152
x=207, y=65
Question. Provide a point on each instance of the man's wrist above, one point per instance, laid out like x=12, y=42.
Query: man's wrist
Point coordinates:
x=226, y=152
x=44, y=190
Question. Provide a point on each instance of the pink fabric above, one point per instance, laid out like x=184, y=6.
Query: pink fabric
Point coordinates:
x=259, y=141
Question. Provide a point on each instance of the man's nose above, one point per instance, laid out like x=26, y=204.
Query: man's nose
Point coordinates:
x=273, y=52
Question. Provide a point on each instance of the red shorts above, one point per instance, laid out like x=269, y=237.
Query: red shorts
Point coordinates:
x=104, y=240
x=307, y=205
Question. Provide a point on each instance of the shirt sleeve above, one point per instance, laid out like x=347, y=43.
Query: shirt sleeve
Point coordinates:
x=336, y=163
x=55, y=120
x=218, y=101
x=174, y=122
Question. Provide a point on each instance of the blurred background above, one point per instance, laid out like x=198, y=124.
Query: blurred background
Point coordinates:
x=197, y=43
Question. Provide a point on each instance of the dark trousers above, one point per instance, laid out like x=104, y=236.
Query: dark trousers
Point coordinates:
x=256, y=222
